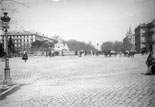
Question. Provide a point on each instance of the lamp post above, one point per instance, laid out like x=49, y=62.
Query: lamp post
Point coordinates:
x=5, y=25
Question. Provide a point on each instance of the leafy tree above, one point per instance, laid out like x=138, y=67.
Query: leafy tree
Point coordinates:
x=118, y=46
x=38, y=45
x=35, y=46
x=77, y=45
x=109, y=45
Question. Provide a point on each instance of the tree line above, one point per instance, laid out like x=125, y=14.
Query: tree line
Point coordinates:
x=75, y=45
x=115, y=46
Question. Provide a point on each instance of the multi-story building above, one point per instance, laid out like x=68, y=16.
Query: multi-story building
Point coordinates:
x=129, y=41
x=143, y=36
x=150, y=36
x=22, y=41
x=140, y=37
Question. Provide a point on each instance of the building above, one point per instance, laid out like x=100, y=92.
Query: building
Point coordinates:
x=129, y=41
x=150, y=36
x=61, y=47
x=22, y=40
x=143, y=36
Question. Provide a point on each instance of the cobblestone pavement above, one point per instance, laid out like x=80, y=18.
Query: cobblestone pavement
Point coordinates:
x=72, y=81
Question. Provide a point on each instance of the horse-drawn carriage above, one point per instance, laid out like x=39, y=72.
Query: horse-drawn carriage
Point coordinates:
x=129, y=53
x=110, y=53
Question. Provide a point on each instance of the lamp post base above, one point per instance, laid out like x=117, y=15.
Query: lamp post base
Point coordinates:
x=7, y=79
x=7, y=82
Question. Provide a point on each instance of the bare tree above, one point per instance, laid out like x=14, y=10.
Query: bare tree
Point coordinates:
x=10, y=6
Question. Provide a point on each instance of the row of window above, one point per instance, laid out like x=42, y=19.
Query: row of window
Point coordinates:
x=24, y=40
x=29, y=36
x=18, y=45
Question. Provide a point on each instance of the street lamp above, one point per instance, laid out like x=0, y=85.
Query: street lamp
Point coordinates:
x=5, y=25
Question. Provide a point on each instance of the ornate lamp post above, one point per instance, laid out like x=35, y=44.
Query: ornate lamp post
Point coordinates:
x=5, y=25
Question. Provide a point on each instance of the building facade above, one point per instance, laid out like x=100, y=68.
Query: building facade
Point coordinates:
x=150, y=36
x=22, y=41
x=129, y=41
x=143, y=37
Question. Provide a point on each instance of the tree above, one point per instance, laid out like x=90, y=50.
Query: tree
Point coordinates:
x=118, y=46
x=22, y=2
x=78, y=45
x=9, y=6
x=109, y=45
x=35, y=46
x=40, y=45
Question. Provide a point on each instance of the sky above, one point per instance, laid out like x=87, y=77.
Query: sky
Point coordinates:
x=93, y=21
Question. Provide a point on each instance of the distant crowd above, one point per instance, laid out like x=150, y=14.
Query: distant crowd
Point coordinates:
x=150, y=62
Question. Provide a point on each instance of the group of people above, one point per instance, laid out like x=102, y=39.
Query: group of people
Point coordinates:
x=150, y=62
x=50, y=53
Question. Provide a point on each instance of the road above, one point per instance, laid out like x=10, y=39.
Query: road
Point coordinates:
x=89, y=81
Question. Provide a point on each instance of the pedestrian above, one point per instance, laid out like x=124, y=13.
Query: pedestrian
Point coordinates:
x=81, y=52
x=49, y=53
x=150, y=63
x=76, y=53
x=52, y=52
x=25, y=56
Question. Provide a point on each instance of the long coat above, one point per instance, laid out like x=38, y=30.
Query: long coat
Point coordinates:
x=25, y=56
x=150, y=59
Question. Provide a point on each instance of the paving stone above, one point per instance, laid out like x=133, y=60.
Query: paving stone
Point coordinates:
x=76, y=82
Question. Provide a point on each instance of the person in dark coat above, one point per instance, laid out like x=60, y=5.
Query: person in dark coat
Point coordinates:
x=25, y=56
x=150, y=63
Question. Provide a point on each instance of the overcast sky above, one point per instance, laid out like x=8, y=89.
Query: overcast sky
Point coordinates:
x=84, y=20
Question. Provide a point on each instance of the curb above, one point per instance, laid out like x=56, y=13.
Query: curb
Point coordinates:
x=8, y=90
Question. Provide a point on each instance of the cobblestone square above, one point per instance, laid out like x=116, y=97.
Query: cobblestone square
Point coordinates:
x=71, y=81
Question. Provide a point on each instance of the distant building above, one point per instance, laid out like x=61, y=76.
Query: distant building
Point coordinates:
x=150, y=36
x=61, y=47
x=129, y=41
x=140, y=37
x=22, y=40
x=143, y=36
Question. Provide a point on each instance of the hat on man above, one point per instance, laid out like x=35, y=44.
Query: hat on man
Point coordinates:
x=5, y=13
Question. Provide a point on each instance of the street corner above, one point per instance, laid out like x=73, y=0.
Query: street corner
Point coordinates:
x=7, y=90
